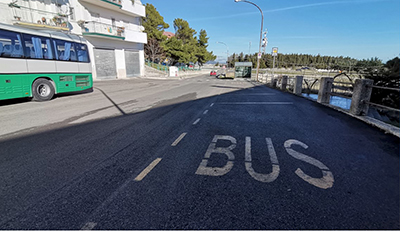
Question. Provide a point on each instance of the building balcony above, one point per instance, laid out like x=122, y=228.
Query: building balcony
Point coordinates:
x=108, y=4
x=134, y=33
x=135, y=9
x=102, y=30
x=37, y=19
x=128, y=7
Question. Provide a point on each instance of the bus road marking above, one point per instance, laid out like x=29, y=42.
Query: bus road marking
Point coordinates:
x=147, y=169
x=178, y=139
x=197, y=120
x=205, y=112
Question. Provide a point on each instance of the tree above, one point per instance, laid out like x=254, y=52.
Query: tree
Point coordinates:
x=184, y=32
x=153, y=50
x=176, y=51
x=154, y=26
x=202, y=54
x=386, y=76
x=183, y=47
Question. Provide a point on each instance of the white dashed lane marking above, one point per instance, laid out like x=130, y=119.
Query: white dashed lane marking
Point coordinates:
x=89, y=226
x=178, y=139
x=197, y=120
x=147, y=169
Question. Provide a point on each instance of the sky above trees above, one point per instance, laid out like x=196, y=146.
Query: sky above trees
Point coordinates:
x=356, y=28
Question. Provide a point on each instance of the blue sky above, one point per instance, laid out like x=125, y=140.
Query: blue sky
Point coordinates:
x=357, y=28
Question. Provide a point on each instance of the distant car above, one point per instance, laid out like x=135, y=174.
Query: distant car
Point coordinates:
x=213, y=73
x=221, y=75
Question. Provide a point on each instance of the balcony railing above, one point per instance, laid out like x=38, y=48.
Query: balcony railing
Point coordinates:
x=102, y=30
x=115, y=2
x=108, y=4
x=31, y=18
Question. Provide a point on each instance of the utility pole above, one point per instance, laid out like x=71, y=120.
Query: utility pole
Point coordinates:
x=265, y=40
x=262, y=22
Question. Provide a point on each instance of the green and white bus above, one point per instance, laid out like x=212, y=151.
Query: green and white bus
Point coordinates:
x=40, y=64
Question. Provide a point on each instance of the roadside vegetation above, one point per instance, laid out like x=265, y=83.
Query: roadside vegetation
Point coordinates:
x=182, y=49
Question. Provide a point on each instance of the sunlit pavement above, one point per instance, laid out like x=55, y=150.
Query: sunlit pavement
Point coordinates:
x=199, y=153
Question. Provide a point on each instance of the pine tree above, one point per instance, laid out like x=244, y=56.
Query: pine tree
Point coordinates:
x=154, y=26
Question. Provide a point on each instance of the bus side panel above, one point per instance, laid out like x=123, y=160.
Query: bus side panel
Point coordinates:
x=67, y=67
x=85, y=67
x=41, y=66
x=71, y=82
x=13, y=84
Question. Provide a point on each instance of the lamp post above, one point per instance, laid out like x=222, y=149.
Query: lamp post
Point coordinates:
x=259, y=48
x=227, y=52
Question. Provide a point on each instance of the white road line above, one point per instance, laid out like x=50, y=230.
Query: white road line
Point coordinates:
x=211, y=104
x=255, y=103
x=197, y=120
x=89, y=226
x=205, y=112
x=178, y=139
x=147, y=169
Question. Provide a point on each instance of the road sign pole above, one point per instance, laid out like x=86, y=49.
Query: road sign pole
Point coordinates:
x=274, y=54
x=273, y=68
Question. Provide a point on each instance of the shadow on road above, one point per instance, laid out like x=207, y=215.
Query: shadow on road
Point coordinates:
x=55, y=179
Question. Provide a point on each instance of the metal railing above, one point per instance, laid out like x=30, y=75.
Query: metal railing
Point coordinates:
x=380, y=105
x=342, y=89
x=103, y=29
x=157, y=66
x=310, y=85
x=31, y=17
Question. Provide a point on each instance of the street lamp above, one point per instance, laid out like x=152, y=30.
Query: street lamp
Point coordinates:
x=227, y=52
x=259, y=48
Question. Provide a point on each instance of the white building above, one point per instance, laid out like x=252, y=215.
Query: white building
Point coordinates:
x=112, y=28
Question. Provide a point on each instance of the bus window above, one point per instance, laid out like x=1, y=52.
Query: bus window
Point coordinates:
x=64, y=50
x=10, y=44
x=38, y=47
x=82, y=51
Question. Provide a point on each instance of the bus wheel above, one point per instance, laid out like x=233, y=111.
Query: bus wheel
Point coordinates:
x=42, y=90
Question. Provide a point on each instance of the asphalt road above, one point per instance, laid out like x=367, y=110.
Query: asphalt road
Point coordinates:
x=199, y=153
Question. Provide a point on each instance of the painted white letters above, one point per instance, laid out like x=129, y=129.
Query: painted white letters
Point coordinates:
x=218, y=171
x=327, y=177
x=274, y=160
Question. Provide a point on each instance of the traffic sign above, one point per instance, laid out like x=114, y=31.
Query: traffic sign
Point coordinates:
x=275, y=51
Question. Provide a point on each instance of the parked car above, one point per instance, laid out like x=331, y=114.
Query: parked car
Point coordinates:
x=221, y=75
x=213, y=73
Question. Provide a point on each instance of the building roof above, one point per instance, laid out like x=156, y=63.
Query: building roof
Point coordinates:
x=168, y=34
x=243, y=64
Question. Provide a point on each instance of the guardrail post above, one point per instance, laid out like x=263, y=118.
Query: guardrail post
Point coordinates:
x=298, y=85
x=361, y=93
x=273, y=82
x=325, y=90
x=284, y=82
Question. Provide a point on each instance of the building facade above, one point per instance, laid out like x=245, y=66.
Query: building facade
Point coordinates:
x=112, y=29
